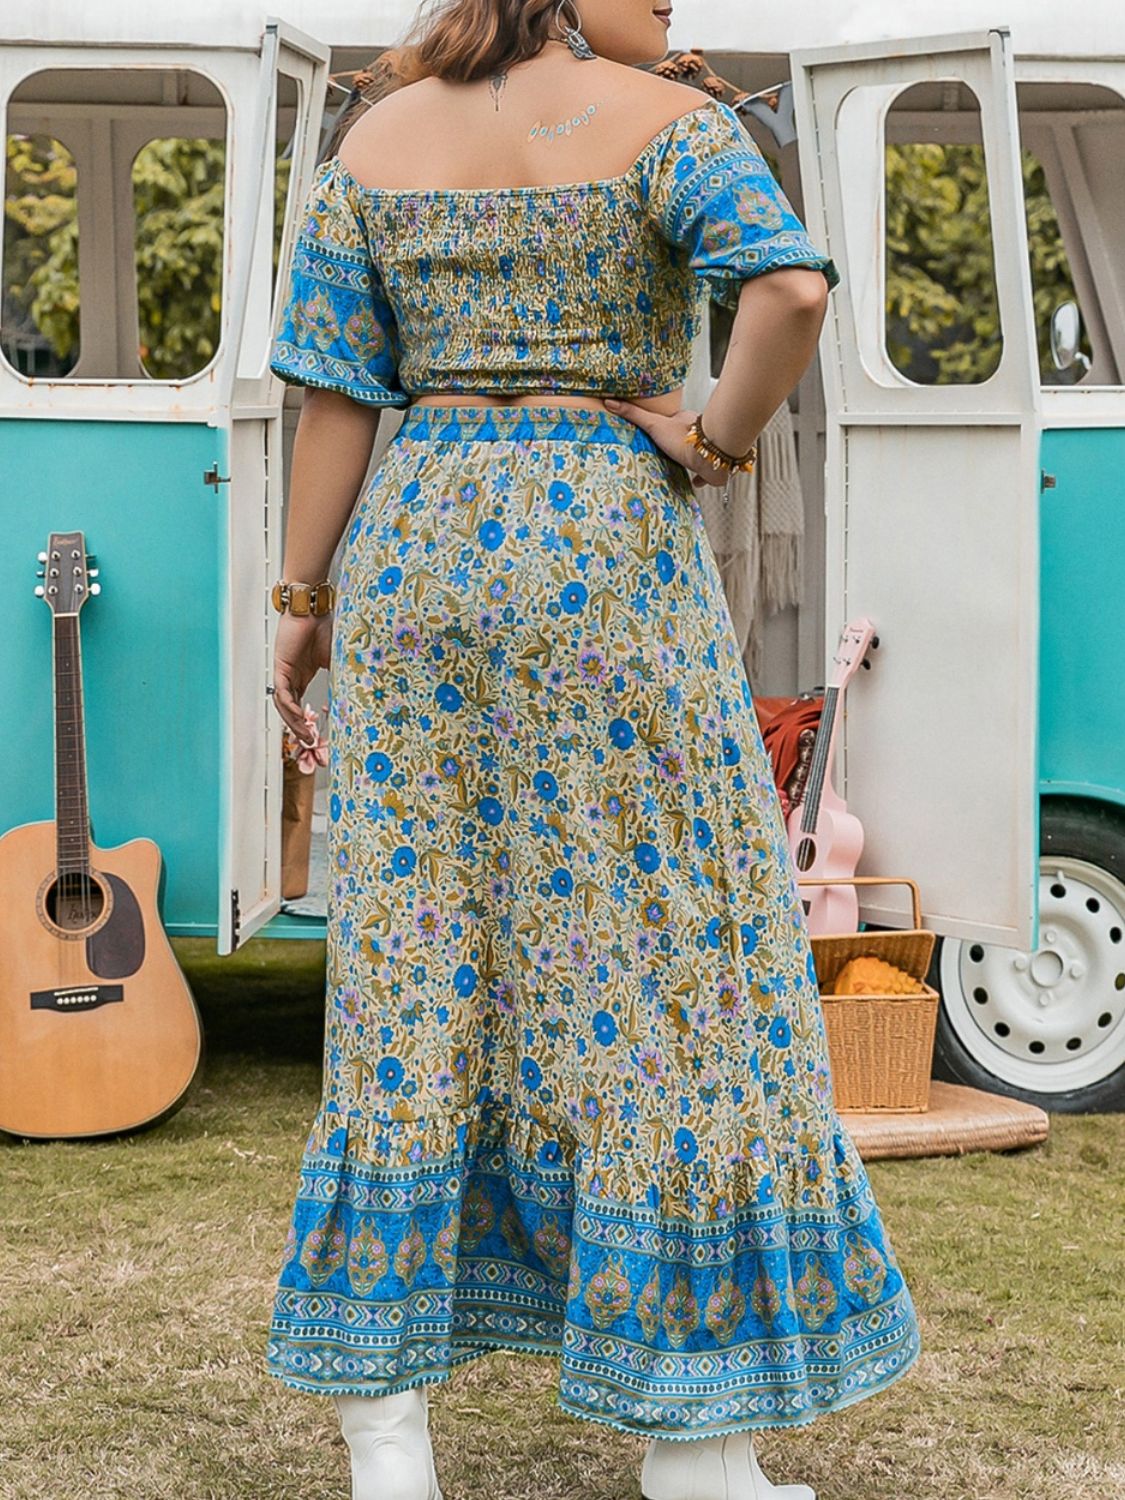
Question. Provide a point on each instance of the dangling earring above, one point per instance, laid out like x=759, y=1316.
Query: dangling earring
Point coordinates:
x=572, y=35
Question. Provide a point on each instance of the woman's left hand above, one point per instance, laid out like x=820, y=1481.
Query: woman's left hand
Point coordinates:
x=669, y=433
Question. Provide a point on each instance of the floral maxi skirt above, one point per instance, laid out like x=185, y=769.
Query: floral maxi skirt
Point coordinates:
x=576, y=1093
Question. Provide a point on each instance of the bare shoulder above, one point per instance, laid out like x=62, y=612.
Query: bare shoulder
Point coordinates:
x=649, y=86
x=389, y=114
x=419, y=126
x=645, y=94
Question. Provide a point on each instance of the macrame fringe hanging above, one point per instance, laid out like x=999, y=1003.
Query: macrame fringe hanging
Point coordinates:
x=755, y=524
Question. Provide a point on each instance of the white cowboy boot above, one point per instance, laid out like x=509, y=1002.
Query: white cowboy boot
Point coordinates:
x=717, y=1468
x=389, y=1439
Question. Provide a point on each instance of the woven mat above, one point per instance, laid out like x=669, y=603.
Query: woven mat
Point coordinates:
x=959, y=1119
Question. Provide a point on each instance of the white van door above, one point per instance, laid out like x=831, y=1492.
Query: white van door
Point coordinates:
x=932, y=496
x=289, y=110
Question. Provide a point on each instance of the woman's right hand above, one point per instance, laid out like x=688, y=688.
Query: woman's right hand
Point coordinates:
x=669, y=433
x=303, y=645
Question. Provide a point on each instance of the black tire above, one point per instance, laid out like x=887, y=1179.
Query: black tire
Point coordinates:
x=1068, y=828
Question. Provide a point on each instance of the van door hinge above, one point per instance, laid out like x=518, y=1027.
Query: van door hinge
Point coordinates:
x=212, y=477
x=235, y=920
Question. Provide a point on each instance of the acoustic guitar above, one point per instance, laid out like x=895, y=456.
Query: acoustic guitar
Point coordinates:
x=99, y=1032
x=826, y=840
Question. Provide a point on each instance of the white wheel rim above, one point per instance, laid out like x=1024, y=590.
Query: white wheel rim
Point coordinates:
x=1053, y=1020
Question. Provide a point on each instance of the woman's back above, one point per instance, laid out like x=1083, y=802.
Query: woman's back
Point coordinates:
x=550, y=119
x=451, y=247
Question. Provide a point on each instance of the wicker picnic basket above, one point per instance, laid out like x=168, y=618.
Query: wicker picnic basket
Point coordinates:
x=880, y=1047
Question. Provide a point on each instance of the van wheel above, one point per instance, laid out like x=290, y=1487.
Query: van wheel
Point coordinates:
x=1048, y=1026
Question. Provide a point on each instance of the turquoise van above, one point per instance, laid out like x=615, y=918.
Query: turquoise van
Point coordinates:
x=974, y=513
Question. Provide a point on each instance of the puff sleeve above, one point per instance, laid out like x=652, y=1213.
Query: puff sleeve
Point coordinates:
x=713, y=195
x=337, y=328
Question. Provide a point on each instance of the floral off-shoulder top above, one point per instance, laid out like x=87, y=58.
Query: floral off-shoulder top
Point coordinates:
x=591, y=288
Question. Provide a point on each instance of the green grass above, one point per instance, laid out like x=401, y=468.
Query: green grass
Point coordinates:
x=138, y=1276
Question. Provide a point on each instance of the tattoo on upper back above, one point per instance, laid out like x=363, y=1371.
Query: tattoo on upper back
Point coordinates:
x=563, y=127
x=496, y=84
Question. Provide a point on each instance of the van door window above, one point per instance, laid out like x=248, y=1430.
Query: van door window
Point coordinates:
x=39, y=334
x=178, y=191
x=1073, y=135
x=125, y=159
x=942, y=316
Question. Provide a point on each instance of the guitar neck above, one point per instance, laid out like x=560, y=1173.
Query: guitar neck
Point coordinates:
x=72, y=817
x=818, y=766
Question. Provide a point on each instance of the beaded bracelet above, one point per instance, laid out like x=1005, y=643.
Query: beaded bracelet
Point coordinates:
x=741, y=463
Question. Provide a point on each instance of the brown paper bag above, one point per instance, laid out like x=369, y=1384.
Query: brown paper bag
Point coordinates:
x=296, y=829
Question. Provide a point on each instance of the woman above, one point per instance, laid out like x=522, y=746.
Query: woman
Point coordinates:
x=576, y=1089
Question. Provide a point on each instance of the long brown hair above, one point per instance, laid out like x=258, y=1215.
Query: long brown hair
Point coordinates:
x=466, y=39
x=456, y=39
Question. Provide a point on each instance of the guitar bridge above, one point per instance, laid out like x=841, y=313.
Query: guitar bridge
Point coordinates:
x=76, y=997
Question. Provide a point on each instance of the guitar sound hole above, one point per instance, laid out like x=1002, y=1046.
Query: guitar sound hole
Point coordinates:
x=74, y=901
x=806, y=854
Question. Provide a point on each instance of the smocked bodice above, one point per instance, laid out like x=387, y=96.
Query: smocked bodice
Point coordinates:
x=591, y=287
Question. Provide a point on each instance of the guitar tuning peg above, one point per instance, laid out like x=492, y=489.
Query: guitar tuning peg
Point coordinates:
x=92, y=572
x=41, y=572
x=42, y=557
x=95, y=588
x=91, y=557
x=874, y=640
x=866, y=663
x=39, y=591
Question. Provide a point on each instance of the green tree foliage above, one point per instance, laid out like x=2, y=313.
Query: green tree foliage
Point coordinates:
x=943, y=324
x=40, y=292
x=178, y=194
x=178, y=197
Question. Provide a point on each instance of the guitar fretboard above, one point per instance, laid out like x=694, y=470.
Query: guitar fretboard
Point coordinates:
x=819, y=763
x=72, y=816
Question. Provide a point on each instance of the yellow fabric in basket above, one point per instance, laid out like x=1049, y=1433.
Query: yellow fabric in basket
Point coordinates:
x=868, y=975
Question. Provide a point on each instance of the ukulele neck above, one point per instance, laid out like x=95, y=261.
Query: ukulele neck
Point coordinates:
x=819, y=764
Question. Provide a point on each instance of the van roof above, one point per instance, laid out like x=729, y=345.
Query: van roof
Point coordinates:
x=1095, y=28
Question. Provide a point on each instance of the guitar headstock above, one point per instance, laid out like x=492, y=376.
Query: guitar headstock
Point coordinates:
x=67, y=571
x=855, y=638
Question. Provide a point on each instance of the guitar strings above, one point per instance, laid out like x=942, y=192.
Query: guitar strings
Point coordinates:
x=78, y=883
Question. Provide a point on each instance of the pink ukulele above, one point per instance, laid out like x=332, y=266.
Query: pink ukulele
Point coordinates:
x=825, y=838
